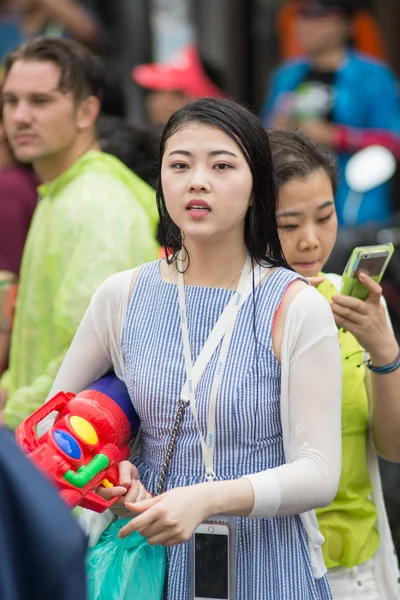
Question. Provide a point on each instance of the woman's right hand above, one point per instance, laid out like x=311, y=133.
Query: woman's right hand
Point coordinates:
x=130, y=489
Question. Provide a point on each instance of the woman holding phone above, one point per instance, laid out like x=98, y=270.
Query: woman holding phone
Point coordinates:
x=252, y=439
x=358, y=549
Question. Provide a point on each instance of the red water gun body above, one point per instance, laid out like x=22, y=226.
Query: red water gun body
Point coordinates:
x=87, y=441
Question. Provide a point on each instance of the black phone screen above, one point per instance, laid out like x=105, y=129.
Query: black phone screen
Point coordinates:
x=372, y=265
x=211, y=566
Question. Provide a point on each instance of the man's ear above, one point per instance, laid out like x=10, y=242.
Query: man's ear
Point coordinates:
x=87, y=113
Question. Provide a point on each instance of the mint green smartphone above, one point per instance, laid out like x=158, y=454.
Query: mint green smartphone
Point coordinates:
x=372, y=260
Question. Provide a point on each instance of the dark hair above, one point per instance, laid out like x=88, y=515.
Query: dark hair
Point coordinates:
x=214, y=73
x=294, y=155
x=114, y=101
x=348, y=7
x=245, y=129
x=135, y=145
x=82, y=72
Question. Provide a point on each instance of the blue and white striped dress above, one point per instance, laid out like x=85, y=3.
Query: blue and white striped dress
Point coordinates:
x=272, y=557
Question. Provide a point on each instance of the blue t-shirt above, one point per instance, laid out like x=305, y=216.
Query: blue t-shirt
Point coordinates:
x=362, y=94
x=42, y=548
x=11, y=34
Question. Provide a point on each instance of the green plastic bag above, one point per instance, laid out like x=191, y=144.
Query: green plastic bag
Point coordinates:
x=125, y=569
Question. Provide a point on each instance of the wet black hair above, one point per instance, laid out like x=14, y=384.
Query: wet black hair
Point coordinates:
x=245, y=129
x=294, y=156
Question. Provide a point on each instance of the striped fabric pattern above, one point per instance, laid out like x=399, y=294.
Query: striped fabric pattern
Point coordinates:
x=272, y=557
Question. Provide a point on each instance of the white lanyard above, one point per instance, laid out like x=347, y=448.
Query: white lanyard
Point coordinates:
x=223, y=329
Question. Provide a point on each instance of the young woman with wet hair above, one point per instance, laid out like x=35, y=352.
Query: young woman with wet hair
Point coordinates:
x=259, y=438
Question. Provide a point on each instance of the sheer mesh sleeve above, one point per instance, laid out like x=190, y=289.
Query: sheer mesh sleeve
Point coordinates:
x=311, y=414
x=96, y=347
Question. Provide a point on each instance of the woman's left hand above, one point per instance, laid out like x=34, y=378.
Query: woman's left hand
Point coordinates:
x=170, y=518
x=365, y=319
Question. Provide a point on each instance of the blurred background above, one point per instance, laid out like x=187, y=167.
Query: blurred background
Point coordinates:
x=243, y=39
x=234, y=47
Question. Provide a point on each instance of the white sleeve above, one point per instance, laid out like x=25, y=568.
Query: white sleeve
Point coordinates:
x=96, y=347
x=311, y=414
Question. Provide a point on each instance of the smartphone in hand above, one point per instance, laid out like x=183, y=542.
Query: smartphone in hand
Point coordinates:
x=371, y=260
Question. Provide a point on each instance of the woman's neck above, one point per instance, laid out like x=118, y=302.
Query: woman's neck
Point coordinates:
x=214, y=265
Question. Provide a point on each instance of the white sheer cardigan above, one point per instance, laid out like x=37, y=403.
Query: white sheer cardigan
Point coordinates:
x=310, y=402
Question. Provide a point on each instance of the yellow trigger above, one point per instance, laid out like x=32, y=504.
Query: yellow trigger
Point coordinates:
x=106, y=483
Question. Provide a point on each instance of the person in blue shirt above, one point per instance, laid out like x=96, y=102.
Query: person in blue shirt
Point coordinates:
x=25, y=19
x=42, y=548
x=341, y=99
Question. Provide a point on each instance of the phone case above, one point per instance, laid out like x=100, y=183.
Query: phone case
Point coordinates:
x=231, y=522
x=351, y=286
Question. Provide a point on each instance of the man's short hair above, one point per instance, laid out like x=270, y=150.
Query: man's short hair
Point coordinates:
x=82, y=72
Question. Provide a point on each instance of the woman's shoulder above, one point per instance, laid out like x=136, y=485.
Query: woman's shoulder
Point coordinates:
x=282, y=275
x=109, y=304
x=115, y=285
x=118, y=288
x=287, y=281
x=304, y=318
x=284, y=284
x=307, y=308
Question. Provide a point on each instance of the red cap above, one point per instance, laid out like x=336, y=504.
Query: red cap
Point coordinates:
x=184, y=74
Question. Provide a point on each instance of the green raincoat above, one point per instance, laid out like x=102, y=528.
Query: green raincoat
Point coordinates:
x=96, y=219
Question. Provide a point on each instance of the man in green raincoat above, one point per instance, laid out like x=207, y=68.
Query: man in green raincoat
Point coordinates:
x=94, y=217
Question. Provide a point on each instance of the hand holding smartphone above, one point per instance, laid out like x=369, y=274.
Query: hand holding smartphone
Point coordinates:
x=371, y=260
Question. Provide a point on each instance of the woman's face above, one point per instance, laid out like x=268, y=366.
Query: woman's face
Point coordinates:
x=307, y=222
x=207, y=183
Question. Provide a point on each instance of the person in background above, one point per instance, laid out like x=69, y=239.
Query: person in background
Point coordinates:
x=82, y=20
x=358, y=548
x=114, y=102
x=42, y=547
x=172, y=84
x=18, y=199
x=366, y=35
x=338, y=97
x=134, y=145
x=26, y=19
x=95, y=217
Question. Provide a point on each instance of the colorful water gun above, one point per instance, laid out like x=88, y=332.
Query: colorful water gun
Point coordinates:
x=88, y=439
